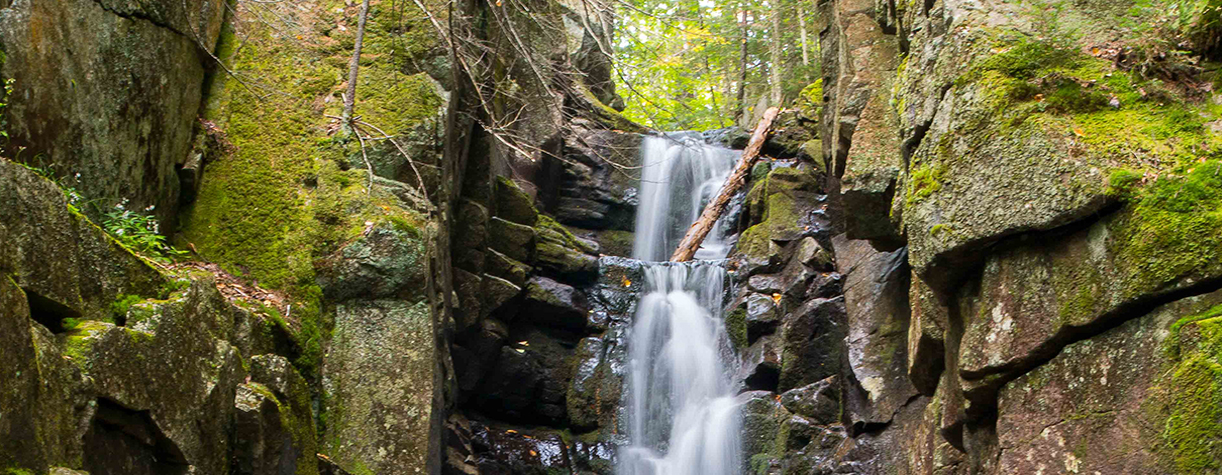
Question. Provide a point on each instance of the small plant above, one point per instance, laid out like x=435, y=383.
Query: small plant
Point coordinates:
x=5, y=92
x=139, y=232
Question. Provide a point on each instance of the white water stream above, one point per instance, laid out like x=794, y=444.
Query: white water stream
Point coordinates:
x=683, y=419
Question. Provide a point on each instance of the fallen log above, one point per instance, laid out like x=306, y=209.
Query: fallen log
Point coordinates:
x=700, y=229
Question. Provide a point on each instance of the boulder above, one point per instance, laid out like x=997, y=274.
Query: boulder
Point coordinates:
x=563, y=255
x=94, y=271
x=926, y=337
x=589, y=188
x=469, y=239
x=387, y=261
x=1035, y=299
x=502, y=266
x=511, y=239
x=818, y=401
x=810, y=342
x=594, y=395
x=555, y=305
x=876, y=300
x=111, y=93
x=513, y=204
x=760, y=364
x=381, y=377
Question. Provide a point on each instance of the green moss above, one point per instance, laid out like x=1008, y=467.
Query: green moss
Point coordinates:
x=17, y=471
x=1194, y=429
x=924, y=181
x=736, y=328
x=1170, y=229
x=123, y=302
x=280, y=201
x=548, y=225
x=1122, y=183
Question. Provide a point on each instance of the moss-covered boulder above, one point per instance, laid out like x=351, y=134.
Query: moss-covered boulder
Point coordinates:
x=108, y=97
x=512, y=203
x=274, y=429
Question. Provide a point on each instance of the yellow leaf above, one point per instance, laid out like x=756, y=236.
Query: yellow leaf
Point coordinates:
x=776, y=298
x=1079, y=132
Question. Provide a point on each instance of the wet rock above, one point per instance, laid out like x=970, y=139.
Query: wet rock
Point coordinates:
x=459, y=452
x=514, y=240
x=762, y=416
x=553, y=304
x=813, y=256
x=381, y=374
x=620, y=281
x=510, y=451
x=819, y=401
x=825, y=285
x=386, y=261
x=810, y=341
x=876, y=299
x=760, y=367
x=595, y=391
x=761, y=317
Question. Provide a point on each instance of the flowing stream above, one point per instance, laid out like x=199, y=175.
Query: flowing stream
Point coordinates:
x=682, y=415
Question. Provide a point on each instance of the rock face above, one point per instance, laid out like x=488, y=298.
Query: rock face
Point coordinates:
x=109, y=91
x=1019, y=299
x=159, y=392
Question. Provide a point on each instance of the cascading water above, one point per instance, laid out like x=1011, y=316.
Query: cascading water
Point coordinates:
x=682, y=415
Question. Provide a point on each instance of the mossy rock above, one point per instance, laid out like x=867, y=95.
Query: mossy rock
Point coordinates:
x=513, y=204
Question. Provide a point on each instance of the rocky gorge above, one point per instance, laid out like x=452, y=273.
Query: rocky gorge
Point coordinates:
x=985, y=241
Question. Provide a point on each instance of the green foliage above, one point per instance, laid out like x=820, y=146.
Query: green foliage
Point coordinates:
x=123, y=303
x=6, y=90
x=679, y=64
x=138, y=232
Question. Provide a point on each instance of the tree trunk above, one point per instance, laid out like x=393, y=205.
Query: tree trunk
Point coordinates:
x=350, y=97
x=802, y=27
x=700, y=229
x=775, y=50
x=742, y=78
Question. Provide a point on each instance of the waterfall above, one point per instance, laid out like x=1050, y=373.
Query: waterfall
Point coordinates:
x=681, y=410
